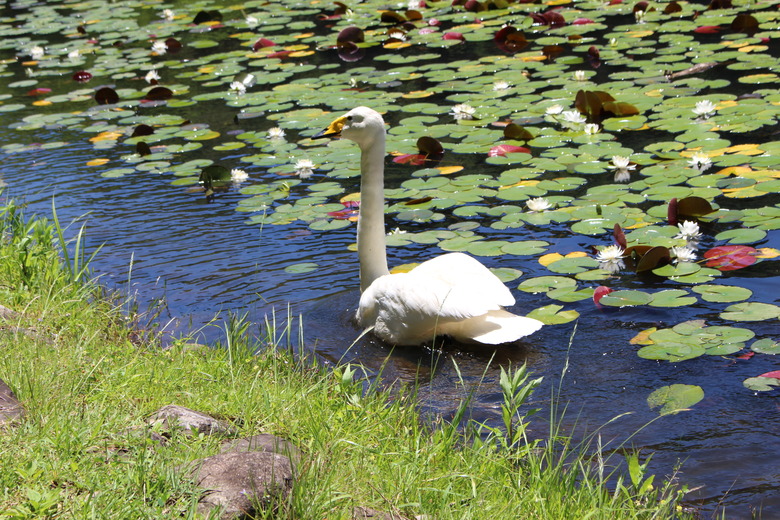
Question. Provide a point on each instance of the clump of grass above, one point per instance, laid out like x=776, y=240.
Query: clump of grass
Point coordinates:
x=84, y=449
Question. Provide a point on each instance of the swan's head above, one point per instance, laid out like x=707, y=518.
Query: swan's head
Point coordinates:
x=362, y=125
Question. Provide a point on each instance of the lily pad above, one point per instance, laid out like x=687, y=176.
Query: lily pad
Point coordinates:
x=675, y=398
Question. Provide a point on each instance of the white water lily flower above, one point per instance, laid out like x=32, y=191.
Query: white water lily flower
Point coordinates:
x=276, y=133
x=572, y=116
x=37, y=52
x=704, y=108
x=396, y=231
x=639, y=16
x=252, y=21
x=463, y=111
x=579, y=75
x=152, y=75
x=168, y=14
x=553, y=110
x=538, y=204
x=688, y=230
x=613, y=42
x=501, y=85
x=238, y=175
x=591, y=128
x=700, y=161
x=684, y=254
x=238, y=87
x=304, y=168
x=159, y=47
x=622, y=163
x=74, y=54
x=611, y=258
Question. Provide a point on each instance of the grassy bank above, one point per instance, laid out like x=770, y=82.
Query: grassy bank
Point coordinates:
x=88, y=384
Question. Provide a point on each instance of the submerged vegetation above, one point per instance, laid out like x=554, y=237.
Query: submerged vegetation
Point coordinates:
x=85, y=449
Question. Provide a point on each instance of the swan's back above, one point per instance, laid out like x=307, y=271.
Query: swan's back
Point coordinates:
x=452, y=294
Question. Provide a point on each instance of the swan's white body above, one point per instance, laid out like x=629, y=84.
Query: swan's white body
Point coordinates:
x=453, y=294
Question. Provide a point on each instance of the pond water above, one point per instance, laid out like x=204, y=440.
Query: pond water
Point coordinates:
x=197, y=257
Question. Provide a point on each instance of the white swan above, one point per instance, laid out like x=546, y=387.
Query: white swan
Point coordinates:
x=452, y=294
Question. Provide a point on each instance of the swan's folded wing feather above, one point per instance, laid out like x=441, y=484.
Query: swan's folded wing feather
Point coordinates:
x=469, y=282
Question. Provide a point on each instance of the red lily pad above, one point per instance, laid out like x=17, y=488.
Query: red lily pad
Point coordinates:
x=39, y=91
x=350, y=35
x=262, y=43
x=707, y=29
x=503, y=149
x=509, y=39
x=774, y=373
x=620, y=237
x=453, y=36
x=731, y=258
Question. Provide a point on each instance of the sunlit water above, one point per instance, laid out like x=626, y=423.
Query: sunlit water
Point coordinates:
x=197, y=259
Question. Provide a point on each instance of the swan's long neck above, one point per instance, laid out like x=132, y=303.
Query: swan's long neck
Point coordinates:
x=371, y=224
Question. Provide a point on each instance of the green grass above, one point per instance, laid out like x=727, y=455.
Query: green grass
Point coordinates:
x=84, y=450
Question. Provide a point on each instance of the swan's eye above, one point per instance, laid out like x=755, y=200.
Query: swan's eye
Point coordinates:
x=349, y=118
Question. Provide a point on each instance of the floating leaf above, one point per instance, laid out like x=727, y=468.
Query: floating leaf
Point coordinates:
x=503, y=149
x=693, y=207
x=751, y=311
x=553, y=315
x=675, y=398
x=730, y=258
x=722, y=293
x=761, y=384
x=301, y=268
x=766, y=346
x=106, y=96
x=626, y=298
x=672, y=352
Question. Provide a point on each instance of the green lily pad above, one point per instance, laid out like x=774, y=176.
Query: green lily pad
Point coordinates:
x=553, y=315
x=675, y=398
x=722, y=293
x=301, y=268
x=547, y=283
x=626, y=298
x=766, y=346
x=672, y=298
x=751, y=311
x=761, y=384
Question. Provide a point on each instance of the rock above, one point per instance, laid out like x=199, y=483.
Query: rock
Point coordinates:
x=10, y=407
x=239, y=483
x=175, y=417
x=265, y=442
x=8, y=314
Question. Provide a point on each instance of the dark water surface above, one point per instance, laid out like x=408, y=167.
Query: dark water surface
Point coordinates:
x=201, y=258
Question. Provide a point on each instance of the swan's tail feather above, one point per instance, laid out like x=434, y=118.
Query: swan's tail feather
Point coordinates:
x=493, y=328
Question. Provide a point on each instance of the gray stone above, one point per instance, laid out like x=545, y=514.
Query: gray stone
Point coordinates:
x=10, y=407
x=8, y=314
x=242, y=483
x=265, y=442
x=175, y=417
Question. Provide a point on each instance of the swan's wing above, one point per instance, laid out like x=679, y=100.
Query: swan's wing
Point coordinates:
x=493, y=328
x=471, y=286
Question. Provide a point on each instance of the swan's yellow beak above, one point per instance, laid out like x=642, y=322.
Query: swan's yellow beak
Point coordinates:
x=333, y=130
